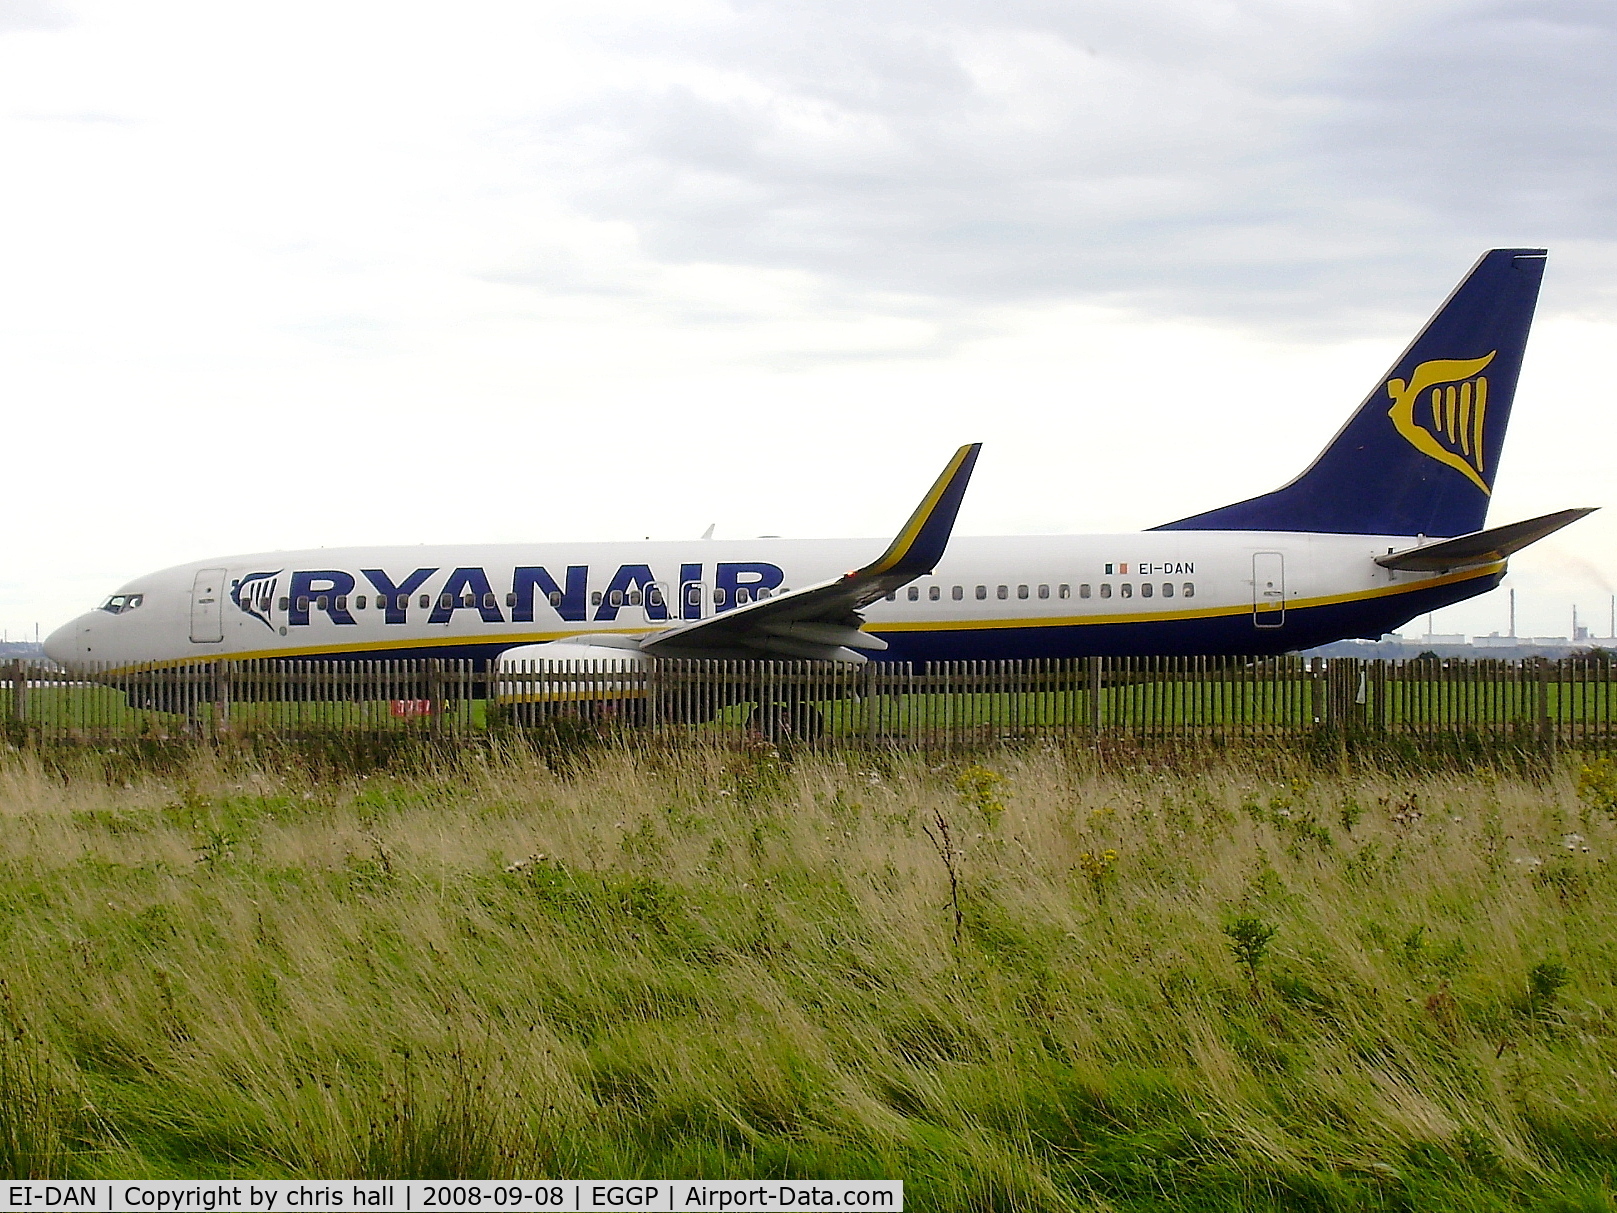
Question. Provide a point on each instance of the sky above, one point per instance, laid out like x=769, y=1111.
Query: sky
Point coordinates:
x=312, y=275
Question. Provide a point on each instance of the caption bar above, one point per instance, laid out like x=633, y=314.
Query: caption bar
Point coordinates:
x=416, y=1196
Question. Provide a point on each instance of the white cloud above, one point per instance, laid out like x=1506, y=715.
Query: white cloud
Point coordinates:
x=31, y=15
x=1205, y=158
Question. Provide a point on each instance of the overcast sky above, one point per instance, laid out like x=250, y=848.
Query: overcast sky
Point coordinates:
x=318, y=274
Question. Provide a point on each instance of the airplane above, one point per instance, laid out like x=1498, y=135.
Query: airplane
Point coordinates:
x=1385, y=525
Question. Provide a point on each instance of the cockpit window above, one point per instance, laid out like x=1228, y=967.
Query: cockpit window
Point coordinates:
x=119, y=603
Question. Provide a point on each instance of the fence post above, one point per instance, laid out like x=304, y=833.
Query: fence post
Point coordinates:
x=1379, y=719
x=1545, y=737
x=435, y=693
x=871, y=675
x=19, y=692
x=222, y=696
x=1094, y=694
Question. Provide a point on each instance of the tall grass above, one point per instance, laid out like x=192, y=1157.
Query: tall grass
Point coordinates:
x=1026, y=983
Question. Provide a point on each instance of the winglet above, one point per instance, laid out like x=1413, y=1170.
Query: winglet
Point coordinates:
x=821, y=622
x=919, y=546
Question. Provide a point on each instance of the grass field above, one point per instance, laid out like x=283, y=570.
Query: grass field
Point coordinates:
x=1029, y=984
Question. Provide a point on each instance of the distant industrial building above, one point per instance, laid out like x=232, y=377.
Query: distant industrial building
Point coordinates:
x=1396, y=647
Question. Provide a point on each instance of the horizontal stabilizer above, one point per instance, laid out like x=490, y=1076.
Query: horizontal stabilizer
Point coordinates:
x=1480, y=547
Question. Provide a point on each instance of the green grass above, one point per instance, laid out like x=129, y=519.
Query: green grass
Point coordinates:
x=1027, y=985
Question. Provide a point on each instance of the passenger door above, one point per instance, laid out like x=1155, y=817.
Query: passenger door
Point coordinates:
x=1268, y=590
x=207, y=607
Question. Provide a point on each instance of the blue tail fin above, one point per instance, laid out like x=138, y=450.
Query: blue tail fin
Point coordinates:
x=1419, y=456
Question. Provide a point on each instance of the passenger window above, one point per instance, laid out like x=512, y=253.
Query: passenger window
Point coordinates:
x=634, y=597
x=1106, y=589
x=693, y=595
x=1167, y=589
x=425, y=601
x=933, y=593
x=1190, y=589
x=616, y=598
x=323, y=602
x=445, y=601
x=1003, y=591
x=285, y=602
x=1021, y=591
x=470, y=600
x=654, y=596
x=1145, y=589
x=743, y=595
x=303, y=604
x=893, y=597
x=342, y=602
x=555, y=598
x=595, y=597
x=915, y=593
x=982, y=592
x=718, y=597
x=958, y=593
x=1083, y=590
x=1044, y=591
x=510, y=600
x=404, y=601
x=761, y=592
x=1064, y=592
x=1125, y=590
x=488, y=602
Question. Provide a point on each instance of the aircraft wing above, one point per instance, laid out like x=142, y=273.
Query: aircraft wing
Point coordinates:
x=821, y=622
x=1480, y=547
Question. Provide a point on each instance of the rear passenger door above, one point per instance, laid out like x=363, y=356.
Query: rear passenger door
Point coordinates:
x=1268, y=590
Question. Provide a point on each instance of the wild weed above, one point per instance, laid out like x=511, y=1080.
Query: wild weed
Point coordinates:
x=727, y=964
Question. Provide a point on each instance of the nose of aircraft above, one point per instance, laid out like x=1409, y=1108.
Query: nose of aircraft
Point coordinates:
x=64, y=645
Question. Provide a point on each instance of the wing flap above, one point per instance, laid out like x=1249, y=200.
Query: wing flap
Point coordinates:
x=827, y=633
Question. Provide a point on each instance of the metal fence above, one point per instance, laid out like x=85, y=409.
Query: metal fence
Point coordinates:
x=1540, y=704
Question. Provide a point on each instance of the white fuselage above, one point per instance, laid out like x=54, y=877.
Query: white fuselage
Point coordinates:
x=1059, y=596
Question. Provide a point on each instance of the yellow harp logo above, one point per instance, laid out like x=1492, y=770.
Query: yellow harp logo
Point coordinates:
x=1442, y=412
